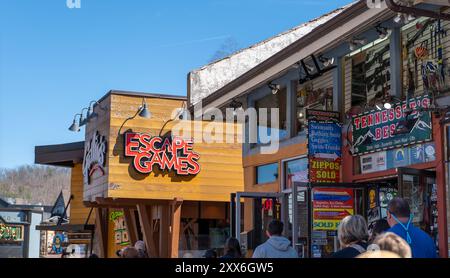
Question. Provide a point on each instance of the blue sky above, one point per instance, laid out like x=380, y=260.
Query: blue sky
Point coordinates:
x=54, y=60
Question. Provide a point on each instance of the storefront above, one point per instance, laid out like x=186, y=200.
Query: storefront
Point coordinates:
x=149, y=175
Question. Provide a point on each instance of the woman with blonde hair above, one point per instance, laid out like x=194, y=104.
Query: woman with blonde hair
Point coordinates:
x=353, y=236
x=393, y=243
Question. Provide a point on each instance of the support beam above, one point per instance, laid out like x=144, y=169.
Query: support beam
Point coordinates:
x=396, y=62
x=101, y=231
x=175, y=218
x=164, y=231
x=146, y=222
x=130, y=222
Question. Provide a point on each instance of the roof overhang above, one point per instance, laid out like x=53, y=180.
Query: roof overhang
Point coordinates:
x=65, y=155
x=332, y=33
x=66, y=228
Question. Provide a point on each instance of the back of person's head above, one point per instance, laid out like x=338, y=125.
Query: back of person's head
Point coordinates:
x=379, y=227
x=393, y=243
x=93, y=256
x=130, y=253
x=210, y=254
x=378, y=255
x=232, y=247
x=399, y=207
x=352, y=229
x=275, y=228
x=141, y=248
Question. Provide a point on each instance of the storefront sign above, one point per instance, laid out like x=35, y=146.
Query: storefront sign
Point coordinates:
x=324, y=140
x=373, y=162
x=374, y=130
x=94, y=157
x=320, y=115
x=330, y=206
x=120, y=230
x=324, y=170
x=11, y=233
x=174, y=154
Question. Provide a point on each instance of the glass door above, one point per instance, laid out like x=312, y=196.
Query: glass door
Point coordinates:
x=419, y=188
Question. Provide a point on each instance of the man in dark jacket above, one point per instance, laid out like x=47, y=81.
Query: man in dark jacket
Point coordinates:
x=400, y=219
x=276, y=246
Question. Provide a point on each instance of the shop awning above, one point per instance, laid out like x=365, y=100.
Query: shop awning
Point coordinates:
x=65, y=155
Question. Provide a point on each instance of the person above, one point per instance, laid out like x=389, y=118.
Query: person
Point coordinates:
x=380, y=254
x=130, y=253
x=142, y=250
x=210, y=254
x=353, y=236
x=400, y=220
x=380, y=227
x=232, y=249
x=393, y=243
x=276, y=246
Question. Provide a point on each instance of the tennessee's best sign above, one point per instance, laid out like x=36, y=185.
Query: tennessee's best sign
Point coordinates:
x=374, y=130
x=174, y=154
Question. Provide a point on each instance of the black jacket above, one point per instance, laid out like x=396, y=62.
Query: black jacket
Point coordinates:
x=349, y=252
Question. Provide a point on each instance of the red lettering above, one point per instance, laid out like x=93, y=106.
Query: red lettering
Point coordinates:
x=370, y=120
x=398, y=112
x=391, y=115
x=363, y=121
x=131, y=144
x=384, y=116
x=378, y=133
x=377, y=118
x=385, y=132
x=357, y=123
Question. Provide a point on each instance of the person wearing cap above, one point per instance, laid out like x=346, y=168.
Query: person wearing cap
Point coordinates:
x=400, y=219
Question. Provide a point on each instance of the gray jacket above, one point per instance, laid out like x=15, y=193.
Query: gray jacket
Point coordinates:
x=275, y=247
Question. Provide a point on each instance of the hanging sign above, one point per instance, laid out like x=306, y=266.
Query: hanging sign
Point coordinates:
x=324, y=170
x=94, y=157
x=324, y=140
x=120, y=229
x=11, y=233
x=175, y=154
x=375, y=130
x=330, y=206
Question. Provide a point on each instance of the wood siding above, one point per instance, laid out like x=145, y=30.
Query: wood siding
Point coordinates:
x=78, y=212
x=221, y=163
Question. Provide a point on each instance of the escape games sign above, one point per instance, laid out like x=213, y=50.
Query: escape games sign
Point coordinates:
x=375, y=130
x=165, y=153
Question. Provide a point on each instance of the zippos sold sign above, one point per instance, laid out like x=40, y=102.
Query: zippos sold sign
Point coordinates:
x=174, y=154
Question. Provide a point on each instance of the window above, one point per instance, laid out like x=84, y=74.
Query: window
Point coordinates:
x=267, y=173
x=315, y=94
x=295, y=171
x=268, y=102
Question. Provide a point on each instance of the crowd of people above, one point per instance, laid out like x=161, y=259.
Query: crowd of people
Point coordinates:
x=394, y=237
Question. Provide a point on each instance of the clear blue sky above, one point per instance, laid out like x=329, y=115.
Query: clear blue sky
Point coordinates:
x=54, y=60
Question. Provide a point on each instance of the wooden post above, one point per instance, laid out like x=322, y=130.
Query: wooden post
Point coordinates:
x=130, y=222
x=146, y=220
x=164, y=231
x=101, y=231
x=175, y=218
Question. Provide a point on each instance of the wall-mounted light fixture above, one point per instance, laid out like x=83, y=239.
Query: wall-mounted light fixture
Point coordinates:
x=274, y=87
x=91, y=114
x=235, y=104
x=143, y=111
x=326, y=62
x=354, y=43
x=75, y=126
x=382, y=31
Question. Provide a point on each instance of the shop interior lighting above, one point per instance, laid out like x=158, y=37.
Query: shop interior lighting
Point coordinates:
x=274, y=87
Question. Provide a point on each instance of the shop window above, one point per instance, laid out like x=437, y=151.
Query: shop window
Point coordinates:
x=267, y=173
x=295, y=171
x=370, y=81
x=316, y=94
x=268, y=102
x=424, y=53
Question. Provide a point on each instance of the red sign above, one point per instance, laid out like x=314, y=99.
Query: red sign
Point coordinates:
x=324, y=170
x=174, y=154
